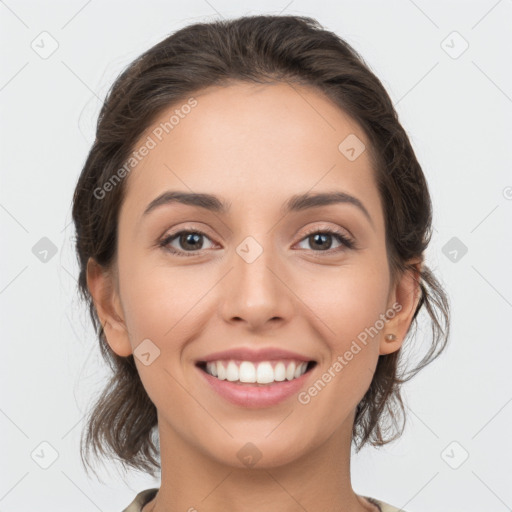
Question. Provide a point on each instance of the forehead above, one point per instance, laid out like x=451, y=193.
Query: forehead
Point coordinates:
x=252, y=144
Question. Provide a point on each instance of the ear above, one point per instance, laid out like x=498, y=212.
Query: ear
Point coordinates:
x=108, y=307
x=403, y=300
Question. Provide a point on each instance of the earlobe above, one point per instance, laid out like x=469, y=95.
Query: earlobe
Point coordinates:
x=404, y=300
x=107, y=304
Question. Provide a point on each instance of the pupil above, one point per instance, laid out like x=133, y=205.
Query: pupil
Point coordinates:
x=188, y=236
x=322, y=237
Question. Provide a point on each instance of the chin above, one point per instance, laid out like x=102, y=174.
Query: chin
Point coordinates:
x=253, y=452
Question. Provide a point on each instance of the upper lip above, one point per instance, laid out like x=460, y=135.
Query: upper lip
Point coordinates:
x=247, y=354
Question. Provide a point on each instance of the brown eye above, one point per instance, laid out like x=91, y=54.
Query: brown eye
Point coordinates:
x=321, y=240
x=188, y=242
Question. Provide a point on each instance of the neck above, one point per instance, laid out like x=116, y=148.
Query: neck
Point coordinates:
x=318, y=481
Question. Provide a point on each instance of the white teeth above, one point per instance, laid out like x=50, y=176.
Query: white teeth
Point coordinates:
x=221, y=372
x=232, y=372
x=280, y=372
x=262, y=373
x=247, y=372
x=265, y=373
x=212, y=369
x=290, y=371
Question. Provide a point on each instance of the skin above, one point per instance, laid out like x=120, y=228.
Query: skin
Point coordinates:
x=254, y=145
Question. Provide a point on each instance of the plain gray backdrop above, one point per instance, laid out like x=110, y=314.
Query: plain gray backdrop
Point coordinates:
x=447, y=68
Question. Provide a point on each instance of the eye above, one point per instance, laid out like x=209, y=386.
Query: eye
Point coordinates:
x=187, y=239
x=323, y=239
x=191, y=241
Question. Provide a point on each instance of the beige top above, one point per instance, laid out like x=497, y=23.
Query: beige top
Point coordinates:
x=144, y=497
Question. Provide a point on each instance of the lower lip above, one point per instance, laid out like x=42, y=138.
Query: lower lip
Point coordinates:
x=246, y=395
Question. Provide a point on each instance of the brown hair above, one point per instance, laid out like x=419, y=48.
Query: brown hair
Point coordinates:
x=262, y=49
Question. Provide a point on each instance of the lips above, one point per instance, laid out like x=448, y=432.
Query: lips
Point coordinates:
x=247, y=354
x=255, y=378
x=255, y=395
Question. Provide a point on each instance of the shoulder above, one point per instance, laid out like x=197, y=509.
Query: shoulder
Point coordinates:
x=384, y=507
x=147, y=495
x=140, y=500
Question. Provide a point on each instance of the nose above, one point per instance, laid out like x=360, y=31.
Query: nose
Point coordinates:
x=257, y=293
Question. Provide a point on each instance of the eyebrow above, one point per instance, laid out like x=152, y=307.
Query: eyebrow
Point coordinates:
x=296, y=203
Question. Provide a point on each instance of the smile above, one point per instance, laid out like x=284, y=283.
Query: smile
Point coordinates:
x=263, y=372
x=255, y=385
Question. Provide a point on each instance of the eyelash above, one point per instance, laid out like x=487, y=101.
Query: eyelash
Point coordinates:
x=348, y=243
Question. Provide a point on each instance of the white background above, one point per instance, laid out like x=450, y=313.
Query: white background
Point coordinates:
x=457, y=112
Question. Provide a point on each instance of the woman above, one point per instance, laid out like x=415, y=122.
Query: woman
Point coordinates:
x=251, y=225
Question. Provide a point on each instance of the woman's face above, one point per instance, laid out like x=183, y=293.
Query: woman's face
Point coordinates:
x=255, y=277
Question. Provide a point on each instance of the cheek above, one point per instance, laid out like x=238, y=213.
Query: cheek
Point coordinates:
x=163, y=305
x=348, y=303
x=348, y=300
x=159, y=301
